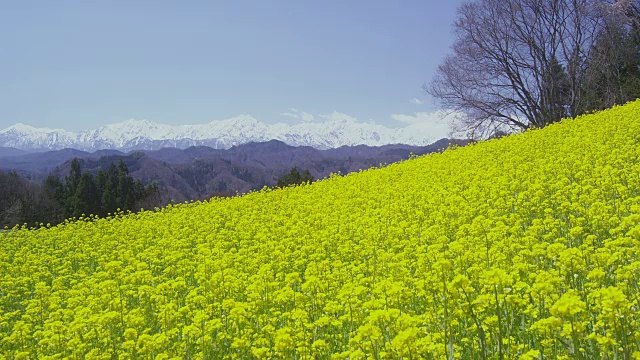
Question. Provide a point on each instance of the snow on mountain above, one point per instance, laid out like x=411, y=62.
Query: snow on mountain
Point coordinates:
x=338, y=130
x=27, y=137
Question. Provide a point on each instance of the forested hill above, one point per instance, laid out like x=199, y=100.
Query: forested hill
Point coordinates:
x=42, y=188
x=200, y=172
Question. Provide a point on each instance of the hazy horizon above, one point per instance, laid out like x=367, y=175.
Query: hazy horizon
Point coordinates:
x=80, y=66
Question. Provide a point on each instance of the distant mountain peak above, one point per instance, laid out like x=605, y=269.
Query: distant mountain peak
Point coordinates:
x=132, y=122
x=133, y=134
x=23, y=128
x=243, y=118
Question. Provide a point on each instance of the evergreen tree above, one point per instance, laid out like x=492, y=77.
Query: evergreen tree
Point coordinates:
x=613, y=75
x=22, y=201
x=54, y=191
x=125, y=197
x=86, y=199
x=294, y=178
x=71, y=186
x=54, y=188
x=107, y=188
x=306, y=176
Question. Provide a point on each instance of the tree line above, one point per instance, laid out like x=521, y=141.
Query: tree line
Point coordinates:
x=82, y=194
x=521, y=64
x=294, y=177
x=78, y=194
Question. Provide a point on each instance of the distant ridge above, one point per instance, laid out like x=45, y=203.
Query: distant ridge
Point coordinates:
x=146, y=135
x=9, y=151
x=200, y=171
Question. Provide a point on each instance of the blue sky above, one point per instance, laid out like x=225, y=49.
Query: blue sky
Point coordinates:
x=82, y=64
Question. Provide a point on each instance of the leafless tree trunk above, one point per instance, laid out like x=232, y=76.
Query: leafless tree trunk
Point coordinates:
x=517, y=64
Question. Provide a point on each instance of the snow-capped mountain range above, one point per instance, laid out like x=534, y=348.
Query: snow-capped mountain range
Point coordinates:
x=146, y=135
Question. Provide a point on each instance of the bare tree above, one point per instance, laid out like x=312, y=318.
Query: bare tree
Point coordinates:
x=516, y=64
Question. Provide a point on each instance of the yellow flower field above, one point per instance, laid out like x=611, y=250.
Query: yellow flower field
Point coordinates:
x=527, y=247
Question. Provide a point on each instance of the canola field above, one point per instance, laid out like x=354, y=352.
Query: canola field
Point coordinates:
x=527, y=247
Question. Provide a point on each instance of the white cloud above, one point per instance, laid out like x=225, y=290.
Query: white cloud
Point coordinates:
x=417, y=101
x=426, y=117
x=305, y=116
x=437, y=123
x=410, y=119
x=299, y=115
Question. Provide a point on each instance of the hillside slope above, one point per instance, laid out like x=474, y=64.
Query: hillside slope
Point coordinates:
x=512, y=248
